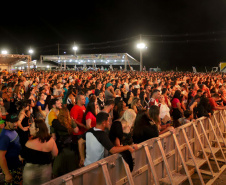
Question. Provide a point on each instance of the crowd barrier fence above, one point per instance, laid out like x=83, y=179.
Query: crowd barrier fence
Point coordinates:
x=171, y=158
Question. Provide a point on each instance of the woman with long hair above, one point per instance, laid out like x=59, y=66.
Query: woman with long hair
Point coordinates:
x=119, y=108
x=143, y=96
x=154, y=114
x=144, y=128
x=121, y=130
x=204, y=108
x=177, y=111
x=46, y=106
x=30, y=94
x=17, y=94
x=89, y=117
x=64, y=127
x=23, y=121
x=136, y=105
x=38, y=153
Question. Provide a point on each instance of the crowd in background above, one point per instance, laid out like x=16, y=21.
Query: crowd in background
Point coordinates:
x=52, y=123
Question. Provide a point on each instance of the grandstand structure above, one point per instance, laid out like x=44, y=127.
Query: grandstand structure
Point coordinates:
x=110, y=59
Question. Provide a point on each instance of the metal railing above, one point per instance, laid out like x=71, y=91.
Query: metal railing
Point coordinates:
x=171, y=158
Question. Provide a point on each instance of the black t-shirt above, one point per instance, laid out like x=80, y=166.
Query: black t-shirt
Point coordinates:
x=101, y=136
x=96, y=143
x=147, y=132
x=116, y=131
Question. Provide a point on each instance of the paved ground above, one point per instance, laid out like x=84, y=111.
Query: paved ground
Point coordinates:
x=221, y=180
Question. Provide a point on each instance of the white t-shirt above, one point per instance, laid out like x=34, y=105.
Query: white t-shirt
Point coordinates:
x=164, y=110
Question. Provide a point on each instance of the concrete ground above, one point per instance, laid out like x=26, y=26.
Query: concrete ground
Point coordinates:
x=221, y=180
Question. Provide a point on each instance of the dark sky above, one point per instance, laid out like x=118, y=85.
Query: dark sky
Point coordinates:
x=193, y=32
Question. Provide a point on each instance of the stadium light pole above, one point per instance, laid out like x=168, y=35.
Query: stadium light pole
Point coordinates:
x=30, y=51
x=141, y=46
x=75, y=48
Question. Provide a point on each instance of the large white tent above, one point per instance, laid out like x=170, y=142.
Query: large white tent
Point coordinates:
x=112, y=59
x=8, y=60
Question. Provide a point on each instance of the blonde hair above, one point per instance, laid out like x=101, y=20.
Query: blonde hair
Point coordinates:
x=134, y=101
x=129, y=117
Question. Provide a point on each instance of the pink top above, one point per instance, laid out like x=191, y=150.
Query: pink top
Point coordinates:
x=174, y=102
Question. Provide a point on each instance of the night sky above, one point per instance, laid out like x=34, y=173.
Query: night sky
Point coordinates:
x=179, y=33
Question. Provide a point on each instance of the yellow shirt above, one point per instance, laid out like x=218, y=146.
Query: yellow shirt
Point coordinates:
x=52, y=115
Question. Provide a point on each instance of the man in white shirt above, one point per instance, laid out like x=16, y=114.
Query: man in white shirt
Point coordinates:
x=97, y=141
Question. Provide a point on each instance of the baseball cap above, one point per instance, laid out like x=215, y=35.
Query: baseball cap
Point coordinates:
x=108, y=85
x=12, y=118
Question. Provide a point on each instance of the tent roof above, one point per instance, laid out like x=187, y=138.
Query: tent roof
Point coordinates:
x=11, y=59
x=90, y=59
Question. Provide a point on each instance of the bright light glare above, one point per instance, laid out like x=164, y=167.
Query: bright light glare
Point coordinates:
x=31, y=51
x=141, y=46
x=4, y=52
x=75, y=48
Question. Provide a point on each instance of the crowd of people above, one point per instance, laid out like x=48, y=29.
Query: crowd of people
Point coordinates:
x=52, y=123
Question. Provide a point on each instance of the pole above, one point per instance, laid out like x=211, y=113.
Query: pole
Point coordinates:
x=28, y=61
x=59, y=55
x=141, y=59
x=74, y=50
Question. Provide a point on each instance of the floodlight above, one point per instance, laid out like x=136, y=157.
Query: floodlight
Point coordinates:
x=75, y=48
x=141, y=45
x=4, y=52
x=31, y=51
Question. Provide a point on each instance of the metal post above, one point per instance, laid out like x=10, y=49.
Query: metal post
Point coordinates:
x=141, y=59
x=74, y=50
x=28, y=62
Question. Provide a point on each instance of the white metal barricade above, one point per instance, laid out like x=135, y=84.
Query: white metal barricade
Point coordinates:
x=170, y=159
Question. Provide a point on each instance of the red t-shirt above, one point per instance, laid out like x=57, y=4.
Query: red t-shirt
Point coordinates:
x=77, y=114
x=174, y=102
x=89, y=115
x=212, y=103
